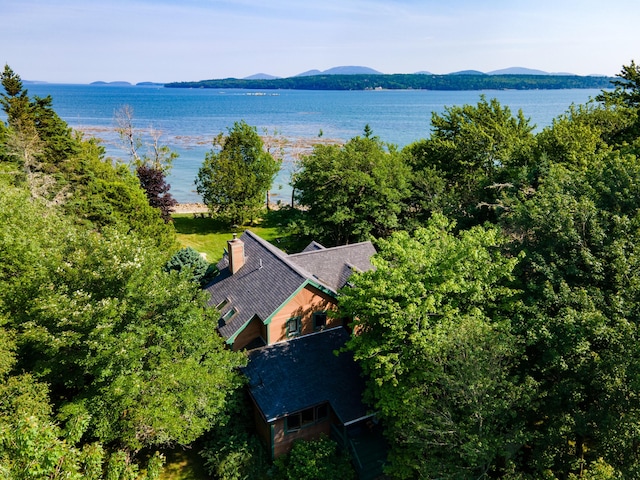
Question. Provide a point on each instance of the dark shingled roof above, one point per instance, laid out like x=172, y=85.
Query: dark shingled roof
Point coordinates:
x=333, y=266
x=290, y=376
x=269, y=277
x=263, y=284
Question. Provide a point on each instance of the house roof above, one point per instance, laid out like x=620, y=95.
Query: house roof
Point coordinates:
x=333, y=266
x=269, y=277
x=290, y=376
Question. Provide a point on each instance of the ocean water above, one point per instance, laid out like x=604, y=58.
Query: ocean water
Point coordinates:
x=189, y=119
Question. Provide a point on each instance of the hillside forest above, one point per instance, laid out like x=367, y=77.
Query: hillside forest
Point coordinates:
x=498, y=334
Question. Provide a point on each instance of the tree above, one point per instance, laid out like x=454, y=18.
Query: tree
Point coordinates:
x=473, y=153
x=236, y=174
x=436, y=347
x=128, y=349
x=34, y=446
x=353, y=192
x=153, y=182
x=579, y=230
x=152, y=167
x=627, y=87
x=189, y=259
x=313, y=459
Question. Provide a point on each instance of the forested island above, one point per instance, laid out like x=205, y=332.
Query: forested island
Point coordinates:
x=498, y=335
x=407, y=81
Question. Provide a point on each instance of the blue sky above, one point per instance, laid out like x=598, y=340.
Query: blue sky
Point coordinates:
x=80, y=41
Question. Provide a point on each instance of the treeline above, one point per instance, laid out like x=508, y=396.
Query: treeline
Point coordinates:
x=407, y=81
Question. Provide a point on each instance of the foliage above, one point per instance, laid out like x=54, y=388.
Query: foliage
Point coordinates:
x=200, y=270
x=105, y=196
x=153, y=182
x=580, y=232
x=351, y=193
x=123, y=344
x=33, y=446
x=61, y=168
x=314, y=459
x=236, y=174
x=233, y=451
x=473, y=154
x=435, y=344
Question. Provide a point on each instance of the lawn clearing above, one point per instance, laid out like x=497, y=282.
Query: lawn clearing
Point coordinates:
x=209, y=236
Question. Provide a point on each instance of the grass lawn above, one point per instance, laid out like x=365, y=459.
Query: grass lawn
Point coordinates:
x=210, y=236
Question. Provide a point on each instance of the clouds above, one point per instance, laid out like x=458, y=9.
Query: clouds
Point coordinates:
x=140, y=40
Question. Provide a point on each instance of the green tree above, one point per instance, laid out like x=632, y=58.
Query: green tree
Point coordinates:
x=579, y=230
x=237, y=174
x=122, y=343
x=32, y=444
x=189, y=259
x=473, y=153
x=353, y=192
x=435, y=343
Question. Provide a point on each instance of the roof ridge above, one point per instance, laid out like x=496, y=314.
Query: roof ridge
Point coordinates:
x=284, y=258
x=331, y=249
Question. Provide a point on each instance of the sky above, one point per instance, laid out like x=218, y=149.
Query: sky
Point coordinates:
x=81, y=41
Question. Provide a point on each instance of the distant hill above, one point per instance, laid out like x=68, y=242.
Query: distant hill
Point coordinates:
x=345, y=70
x=468, y=72
x=524, y=71
x=309, y=73
x=260, y=76
x=112, y=84
x=423, y=72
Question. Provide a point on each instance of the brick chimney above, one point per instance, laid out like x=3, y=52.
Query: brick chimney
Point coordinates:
x=235, y=248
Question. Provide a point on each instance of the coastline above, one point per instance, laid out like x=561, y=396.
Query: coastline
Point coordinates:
x=190, y=208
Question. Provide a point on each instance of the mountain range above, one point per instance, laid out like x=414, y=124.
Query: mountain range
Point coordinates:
x=358, y=70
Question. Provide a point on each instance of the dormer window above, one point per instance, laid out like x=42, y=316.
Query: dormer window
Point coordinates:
x=227, y=316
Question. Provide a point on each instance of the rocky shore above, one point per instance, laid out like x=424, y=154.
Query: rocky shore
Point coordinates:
x=190, y=208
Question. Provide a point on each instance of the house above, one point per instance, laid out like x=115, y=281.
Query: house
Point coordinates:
x=266, y=296
x=307, y=387
x=275, y=306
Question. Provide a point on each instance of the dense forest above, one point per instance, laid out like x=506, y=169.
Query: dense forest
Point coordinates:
x=498, y=334
x=407, y=81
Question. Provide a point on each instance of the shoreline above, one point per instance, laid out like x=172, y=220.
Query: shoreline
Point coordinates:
x=190, y=208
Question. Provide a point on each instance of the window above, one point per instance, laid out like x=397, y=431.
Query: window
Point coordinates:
x=307, y=417
x=222, y=304
x=319, y=320
x=227, y=316
x=294, y=326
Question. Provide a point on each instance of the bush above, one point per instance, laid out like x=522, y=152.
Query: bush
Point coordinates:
x=188, y=258
x=314, y=460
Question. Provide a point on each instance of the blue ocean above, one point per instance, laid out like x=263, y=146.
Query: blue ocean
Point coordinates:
x=189, y=119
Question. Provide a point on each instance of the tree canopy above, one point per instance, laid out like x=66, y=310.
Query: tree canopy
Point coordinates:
x=237, y=174
x=103, y=351
x=353, y=192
